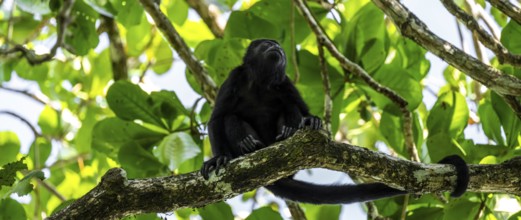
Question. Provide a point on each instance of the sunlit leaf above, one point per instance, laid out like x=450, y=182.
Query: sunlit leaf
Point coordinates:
x=9, y=146
x=175, y=149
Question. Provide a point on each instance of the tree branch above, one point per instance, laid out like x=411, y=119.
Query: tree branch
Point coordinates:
x=503, y=55
x=62, y=19
x=116, y=196
x=413, y=28
x=508, y=8
x=118, y=55
x=174, y=39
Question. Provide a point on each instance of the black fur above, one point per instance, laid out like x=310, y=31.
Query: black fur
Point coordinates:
x=258, y=105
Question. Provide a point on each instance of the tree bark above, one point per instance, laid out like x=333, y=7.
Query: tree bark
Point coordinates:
x=116, y=196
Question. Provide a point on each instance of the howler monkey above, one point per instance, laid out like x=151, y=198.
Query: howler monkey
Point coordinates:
x=258, y=105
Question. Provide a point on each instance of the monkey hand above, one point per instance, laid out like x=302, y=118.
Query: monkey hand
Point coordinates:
x=310, y=122
x=214, y=164
x=250, y=144
x=285, y=133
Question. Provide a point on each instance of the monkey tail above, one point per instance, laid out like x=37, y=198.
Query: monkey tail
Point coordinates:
x=301, y=191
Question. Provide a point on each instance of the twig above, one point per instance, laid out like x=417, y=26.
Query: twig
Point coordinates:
x=174, y=39
x=344, y=62
x=503, y=55
x=514, y=103
x=358, y=71
x=413, y=28
x=25, y=121
x=293, y=45
x=62, y=19
x=508, y=8
x=43, y=100
x=209, y=17
x=328, y=102
x=118, y=55
x=485, y=17
x=296, y=211
x=52, y=190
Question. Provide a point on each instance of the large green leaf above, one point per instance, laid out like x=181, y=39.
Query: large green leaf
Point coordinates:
x=24, y=186
x=50, y=121
x=264, y=213
x=110, y=134
x=40, y=151
x=138, y=162
x=175, y=149
x=10, y=209
x=441, y=145
x=221, y=56
x=509, y=37
x=178, y=11
x=217, y=211
x=245, y=24
x=9, y=146
x=510, y=122
x=449, y=115
x=460, y=209
x=130, y=13
x=130, y=102
x=490, y=122
x=85, y=36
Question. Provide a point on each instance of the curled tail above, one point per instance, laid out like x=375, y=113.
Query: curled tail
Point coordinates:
x=301, y=191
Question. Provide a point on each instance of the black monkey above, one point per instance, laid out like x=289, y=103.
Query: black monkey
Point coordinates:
x=258, y=105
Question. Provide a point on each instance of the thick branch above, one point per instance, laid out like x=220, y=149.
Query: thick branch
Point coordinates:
x=118, y=55
x=116, y=196
x=508, y=8
x=174, y=39
x=413, y=28
x=209, y=17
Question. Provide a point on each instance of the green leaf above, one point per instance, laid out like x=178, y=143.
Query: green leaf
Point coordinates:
x=510, y=122
x=96, y=81
x=138, y=162
x=449, y=115
x=40, y=151
x=460, y=209
x=319, y=212
x=509, y=34
x=392, y=130
x=9, y=146
x=441, y=145
x=110, y=134
x=264, y=213
x=24, y=186
x=83, y=26
x=178, y=11
x=164, y=58
x=37, y=73
x=34, y=6
x=138, y=37
x=6, y=69
x=216, y=211
x=50, y=121
x=397, y=80
x=490, y=122
x=175, y=149
x=221, y=56
x=11, y=209
x=167, y=105
x=130, y=102
x=8, y=172
x=130, y=13
x=245, y=24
